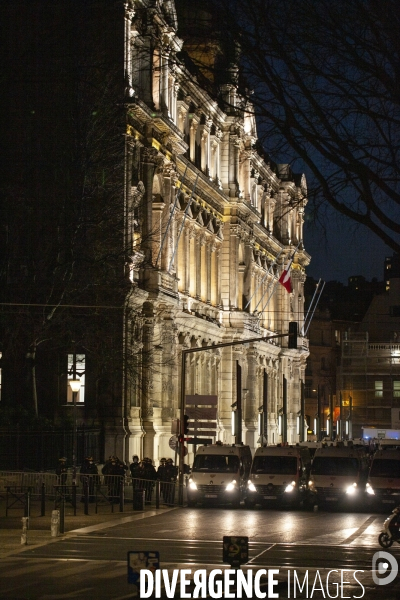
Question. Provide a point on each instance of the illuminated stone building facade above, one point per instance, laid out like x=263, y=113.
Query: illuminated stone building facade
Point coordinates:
x=220, y=224
x=158, y=226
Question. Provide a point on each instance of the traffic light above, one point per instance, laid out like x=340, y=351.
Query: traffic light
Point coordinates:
x=292, y=342
x=185, y=424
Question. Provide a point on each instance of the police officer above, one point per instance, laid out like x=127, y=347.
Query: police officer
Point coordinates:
x=111, y=470
x=89, y=469
x=62, y=471
x=134, y=469
x=171, y=477
x=162, y=476
x=150, y=475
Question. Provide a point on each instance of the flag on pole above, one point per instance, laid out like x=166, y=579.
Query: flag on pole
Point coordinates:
x=285, y=279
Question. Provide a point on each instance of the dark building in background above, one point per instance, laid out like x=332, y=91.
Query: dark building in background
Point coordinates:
x=355, y=354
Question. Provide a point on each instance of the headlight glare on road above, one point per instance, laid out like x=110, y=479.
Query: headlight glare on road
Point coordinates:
x=290, y=487
x=370, y=490
x=231, y=486
x=351, y=489
x=251, y=486
x=192, y=484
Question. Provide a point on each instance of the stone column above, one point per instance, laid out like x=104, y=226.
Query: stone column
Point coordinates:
x=248, y=272
x=149, y=162
x=252, y=398
x=233, y=266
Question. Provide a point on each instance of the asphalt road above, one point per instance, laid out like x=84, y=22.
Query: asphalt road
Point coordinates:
x=92, y=563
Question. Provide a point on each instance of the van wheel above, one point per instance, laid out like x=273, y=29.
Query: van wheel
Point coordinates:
x=249, y=503
x=236, y=504
x=191, y=503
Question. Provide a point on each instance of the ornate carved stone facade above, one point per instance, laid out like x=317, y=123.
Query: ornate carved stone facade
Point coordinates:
x=215, y=224
x=141, y=219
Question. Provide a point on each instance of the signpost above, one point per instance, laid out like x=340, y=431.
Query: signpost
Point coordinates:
x=235, y=550
x=142, y=560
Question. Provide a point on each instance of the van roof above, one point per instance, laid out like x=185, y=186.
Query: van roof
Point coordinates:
x=281, y=451
x=388, y=453
x=234, y=449
x=350, y=451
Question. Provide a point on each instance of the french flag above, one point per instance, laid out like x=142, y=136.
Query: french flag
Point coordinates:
x=285, y=279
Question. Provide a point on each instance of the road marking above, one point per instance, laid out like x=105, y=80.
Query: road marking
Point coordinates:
x=122, y=521
x=74, y=594
x=359, y=531
x=258, y=555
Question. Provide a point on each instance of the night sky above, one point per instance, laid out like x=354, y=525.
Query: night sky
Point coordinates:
x=344, y=250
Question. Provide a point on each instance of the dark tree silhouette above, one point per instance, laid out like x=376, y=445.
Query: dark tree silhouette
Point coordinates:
x=323, y=78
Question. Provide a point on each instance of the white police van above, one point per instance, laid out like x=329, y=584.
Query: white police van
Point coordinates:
x=219, y=475
x=279, y=474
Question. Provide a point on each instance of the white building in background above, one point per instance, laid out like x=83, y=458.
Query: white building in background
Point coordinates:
x=210, y=225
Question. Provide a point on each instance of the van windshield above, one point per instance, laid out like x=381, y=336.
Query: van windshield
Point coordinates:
x=383, y=467
x=210, y=463
x=285, y=465
x=337, y=465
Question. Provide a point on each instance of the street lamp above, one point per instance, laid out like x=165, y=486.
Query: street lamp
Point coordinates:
x=75, y=385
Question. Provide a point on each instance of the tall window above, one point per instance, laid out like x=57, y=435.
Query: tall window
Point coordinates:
x=396, y=389
x=378, y=389
x=80, y=373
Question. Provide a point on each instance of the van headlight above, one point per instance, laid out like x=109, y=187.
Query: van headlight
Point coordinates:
x=369, y=489
x=231, y=486
x=351, y=489
x=251, y=486
x=290, y=487
x=192, y=484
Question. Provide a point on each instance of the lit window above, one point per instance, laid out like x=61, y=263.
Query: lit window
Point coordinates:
x=396, y=389
x=378, y=389
x=80, y=374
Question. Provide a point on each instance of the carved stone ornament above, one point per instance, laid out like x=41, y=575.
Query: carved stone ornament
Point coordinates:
x=147, y=411
x=150, y=155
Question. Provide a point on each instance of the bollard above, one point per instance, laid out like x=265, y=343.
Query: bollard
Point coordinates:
x=27, y=505
x=25, y=527
x=62, y=514
x=86, y=495
x=43, y=501
x=121, y=495
x=55, y=523
x=74, y=497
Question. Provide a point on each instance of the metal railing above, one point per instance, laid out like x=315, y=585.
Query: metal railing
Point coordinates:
x=22, y=490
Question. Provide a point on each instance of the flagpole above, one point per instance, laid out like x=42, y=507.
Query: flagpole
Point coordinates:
x=278, y=280
x=311, y=304
x=269, y=272
x=316, y=304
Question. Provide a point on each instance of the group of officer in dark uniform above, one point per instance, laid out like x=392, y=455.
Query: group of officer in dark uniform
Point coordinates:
x=143, y=473
x=144, y=476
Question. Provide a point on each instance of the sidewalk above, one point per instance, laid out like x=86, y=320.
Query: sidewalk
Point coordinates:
x=40, y=527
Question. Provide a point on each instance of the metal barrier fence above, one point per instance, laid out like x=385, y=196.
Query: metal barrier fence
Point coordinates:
x=23, y=490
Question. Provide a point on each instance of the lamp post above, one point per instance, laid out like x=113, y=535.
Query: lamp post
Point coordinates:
x=75, y=385
x=182, y=394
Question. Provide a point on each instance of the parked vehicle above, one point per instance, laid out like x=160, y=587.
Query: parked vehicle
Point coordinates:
x=391, y=529
x=338, y=475
x=279, y=474
x=219, y=474
x=383, y=484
